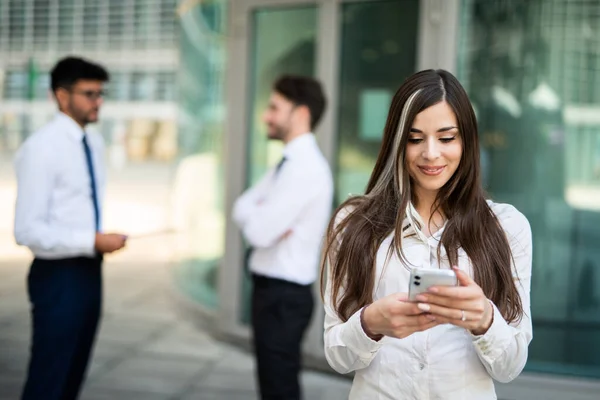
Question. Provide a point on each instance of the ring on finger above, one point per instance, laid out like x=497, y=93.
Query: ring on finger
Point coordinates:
x=463, y=317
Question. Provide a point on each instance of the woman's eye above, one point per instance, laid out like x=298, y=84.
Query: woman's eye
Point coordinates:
x=415, y=140
x=447, y=140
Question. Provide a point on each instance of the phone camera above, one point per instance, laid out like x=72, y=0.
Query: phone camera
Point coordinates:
x=417, y=283
x=417, y=277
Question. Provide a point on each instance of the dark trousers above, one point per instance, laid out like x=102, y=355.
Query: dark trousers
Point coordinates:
x=66, y=297
x=281, y=313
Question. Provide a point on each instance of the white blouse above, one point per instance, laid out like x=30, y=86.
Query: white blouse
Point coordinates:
x=445, y=362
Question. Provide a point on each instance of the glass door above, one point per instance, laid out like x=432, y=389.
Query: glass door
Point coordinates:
x=283, y=42
x=269, y=38
x=378, y=51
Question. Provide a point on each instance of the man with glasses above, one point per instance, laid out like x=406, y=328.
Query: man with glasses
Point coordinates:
x=60, y=182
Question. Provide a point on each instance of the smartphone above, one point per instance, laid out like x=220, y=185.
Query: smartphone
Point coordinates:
x=422, y=279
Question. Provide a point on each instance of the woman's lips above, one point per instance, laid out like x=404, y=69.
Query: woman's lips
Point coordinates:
x=431, y=171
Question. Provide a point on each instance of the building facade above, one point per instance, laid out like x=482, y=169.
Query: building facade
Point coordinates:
x=135, y=39
x=531, y=69
x=190, y=79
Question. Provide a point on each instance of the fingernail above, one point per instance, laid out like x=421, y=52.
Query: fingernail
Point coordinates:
x=421, y=298
x=424, y=307
x=430, y=317
x=433, y=290
x=455, y=268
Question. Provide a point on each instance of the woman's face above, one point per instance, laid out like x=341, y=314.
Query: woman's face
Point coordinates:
x=434, y=149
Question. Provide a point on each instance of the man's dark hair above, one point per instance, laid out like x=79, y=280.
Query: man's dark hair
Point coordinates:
x=303, y=91
x=71, y=69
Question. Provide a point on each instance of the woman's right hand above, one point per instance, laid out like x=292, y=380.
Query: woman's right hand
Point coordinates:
x=395, y=316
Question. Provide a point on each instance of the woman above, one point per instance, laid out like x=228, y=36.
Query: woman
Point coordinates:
x=425, y=207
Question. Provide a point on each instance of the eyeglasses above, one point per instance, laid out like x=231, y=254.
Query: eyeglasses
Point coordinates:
x=92, y=95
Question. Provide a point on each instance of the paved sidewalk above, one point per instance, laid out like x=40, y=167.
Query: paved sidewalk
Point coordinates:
x=146, y=350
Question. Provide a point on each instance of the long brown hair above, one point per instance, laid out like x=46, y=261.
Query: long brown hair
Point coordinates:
x=361, y=223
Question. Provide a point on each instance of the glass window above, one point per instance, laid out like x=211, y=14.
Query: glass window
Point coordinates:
x=198, y=187
x=3, y=33
x=66, y=22
x=15, y=85
x=116, y=21
x=42, y=86
x=142, y=22
x=531, y=69
x=167, y=21
x=143, y=86
x=378, y=53
x=165, y=86
x=16, y=24
x=283, y=42
x=41, y=23
x=118, y=88
x=91, y=22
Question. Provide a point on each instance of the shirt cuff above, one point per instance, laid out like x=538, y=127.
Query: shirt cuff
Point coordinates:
x=84, y=241
x=356, y=339
x=492, y=344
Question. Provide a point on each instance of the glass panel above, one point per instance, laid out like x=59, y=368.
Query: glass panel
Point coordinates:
x=16, y=24
x=198, y=189
x=378, y=53
x=532, y=70
x=142, y=22
x=42, y=86
x=167, y=21
x=3, y=27
x=165, y=89
x=91, y=22
x=284, y=42
x=66, y=22
x=15, y=85
x=143, y=86
x=119, y=86
x=41, y=23
x=116, y=22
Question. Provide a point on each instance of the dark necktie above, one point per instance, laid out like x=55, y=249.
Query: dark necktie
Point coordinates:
x=90, y=166
x=279, y=165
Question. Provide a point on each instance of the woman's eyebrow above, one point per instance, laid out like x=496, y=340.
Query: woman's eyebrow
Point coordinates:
x=445, y=129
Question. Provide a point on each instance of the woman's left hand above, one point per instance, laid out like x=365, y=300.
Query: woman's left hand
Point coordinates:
x=464, y=305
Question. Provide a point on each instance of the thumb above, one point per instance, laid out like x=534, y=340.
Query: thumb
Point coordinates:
x=402, y=296
x=463, y=278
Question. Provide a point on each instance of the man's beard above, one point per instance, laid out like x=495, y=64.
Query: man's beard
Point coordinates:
x=278, y=133
x=86, y=118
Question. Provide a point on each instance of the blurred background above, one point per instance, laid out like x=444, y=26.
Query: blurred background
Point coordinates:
x=190, y=79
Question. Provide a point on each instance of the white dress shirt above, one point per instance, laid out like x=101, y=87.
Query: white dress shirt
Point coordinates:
x=296, y=199
x=54, y=213
x=445, y=362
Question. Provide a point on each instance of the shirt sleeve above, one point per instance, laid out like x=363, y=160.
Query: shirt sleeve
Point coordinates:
x=264, y=222
x=36, y=177
x=347, y=346
x=249, y=201
x=503, y=349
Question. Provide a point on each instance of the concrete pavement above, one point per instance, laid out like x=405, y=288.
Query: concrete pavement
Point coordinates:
x=145, y=349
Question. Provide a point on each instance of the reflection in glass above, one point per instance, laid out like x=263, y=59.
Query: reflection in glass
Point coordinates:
x=532, y=71
x=197, y=193
x=378, y=53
